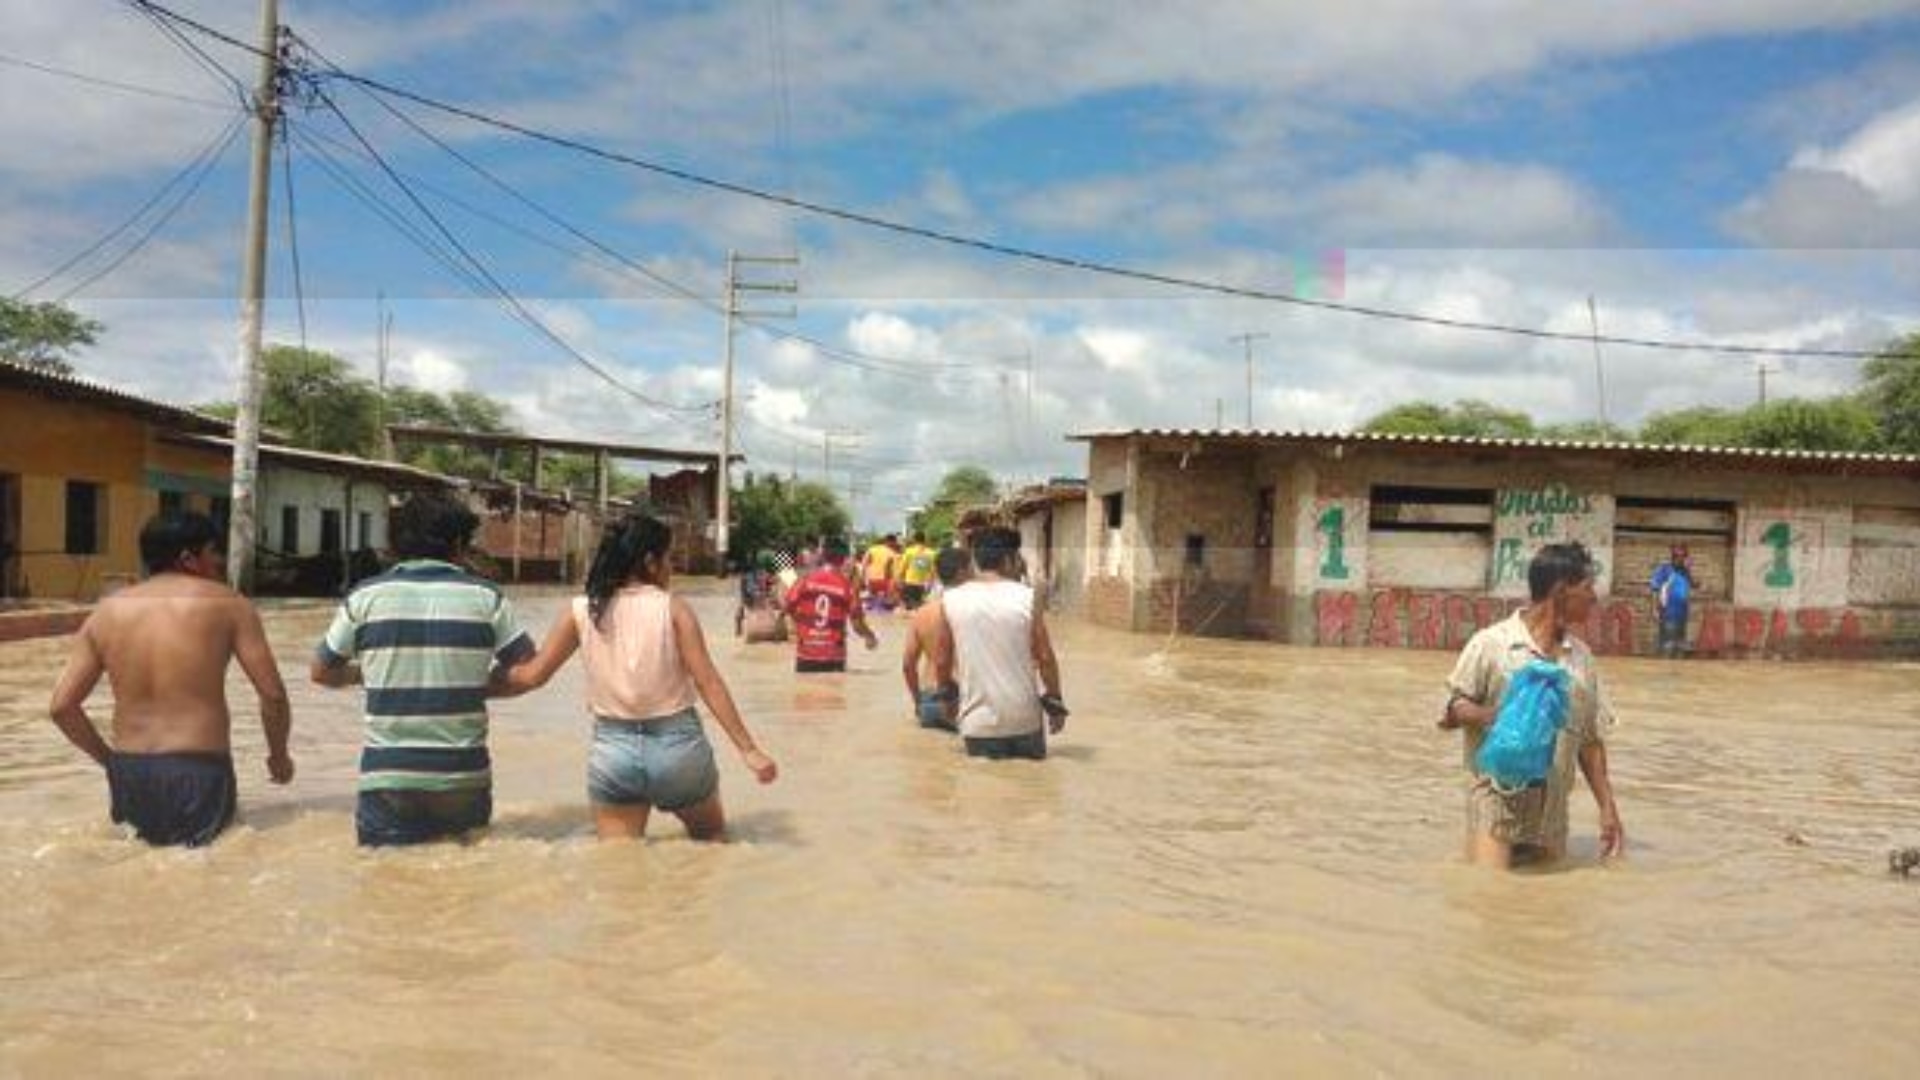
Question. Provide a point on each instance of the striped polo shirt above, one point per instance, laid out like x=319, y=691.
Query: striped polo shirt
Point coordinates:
x=427, y=635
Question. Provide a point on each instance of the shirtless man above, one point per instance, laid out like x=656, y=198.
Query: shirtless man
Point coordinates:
x=164, y=645
x=954, y=567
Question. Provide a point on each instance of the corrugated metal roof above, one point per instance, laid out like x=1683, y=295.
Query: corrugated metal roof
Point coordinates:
x=321, y=461
x=16, y=373
x=1365, y=438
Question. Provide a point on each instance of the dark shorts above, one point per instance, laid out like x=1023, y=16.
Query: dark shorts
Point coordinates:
x=1673, y=635
x=393, y=818
x=817, y=667
x=932, y=712
x=1031, y=747
x=172, y=799
x=913, y=596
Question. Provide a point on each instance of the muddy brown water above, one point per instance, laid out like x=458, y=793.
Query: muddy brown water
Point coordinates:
x=1242, y=860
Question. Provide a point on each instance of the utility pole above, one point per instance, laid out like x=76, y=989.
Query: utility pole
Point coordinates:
x=1761, y=369
x=265, y=107
x=1247, y=340
x=724, y=498
x=1599, y=369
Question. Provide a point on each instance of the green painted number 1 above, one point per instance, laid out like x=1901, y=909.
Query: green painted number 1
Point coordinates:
x=1333, y=524
x=1780, y=538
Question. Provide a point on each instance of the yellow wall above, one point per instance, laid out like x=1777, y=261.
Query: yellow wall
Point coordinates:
x=46, y=442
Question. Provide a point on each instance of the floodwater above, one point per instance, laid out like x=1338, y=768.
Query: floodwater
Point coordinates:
x=1243, y=859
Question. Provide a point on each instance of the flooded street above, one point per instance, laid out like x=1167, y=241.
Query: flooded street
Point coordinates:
x=1242, y=859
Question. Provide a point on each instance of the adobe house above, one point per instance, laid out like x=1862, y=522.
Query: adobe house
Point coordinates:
x=82, y=467
x=1415, y=541
x=1052, y=519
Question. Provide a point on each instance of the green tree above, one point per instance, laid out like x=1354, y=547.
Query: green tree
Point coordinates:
x=1467, y=417
x=462, y=410
x=1837, y=423
x=43, y=335
x=315, y=401
x=1586, y=431
x=960, y=488
x=771, y=514
x=1892, y=392
x=1702, y=425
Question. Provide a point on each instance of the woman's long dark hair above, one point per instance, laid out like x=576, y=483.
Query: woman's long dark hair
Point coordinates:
x=625, y=546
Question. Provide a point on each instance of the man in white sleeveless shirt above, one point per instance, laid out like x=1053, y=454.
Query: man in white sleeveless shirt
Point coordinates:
x=994, y=637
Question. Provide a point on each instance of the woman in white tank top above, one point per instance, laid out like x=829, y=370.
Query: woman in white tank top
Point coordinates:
x=646, y=659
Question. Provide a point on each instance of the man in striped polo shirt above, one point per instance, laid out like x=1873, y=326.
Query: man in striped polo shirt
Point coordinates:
x=427, y=635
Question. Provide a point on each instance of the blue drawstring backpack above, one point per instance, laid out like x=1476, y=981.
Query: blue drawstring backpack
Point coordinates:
x=1518, y=751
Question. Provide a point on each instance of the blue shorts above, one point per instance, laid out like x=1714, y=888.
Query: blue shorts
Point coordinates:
x=933, y=712
x=399, y=817
x=664, y=762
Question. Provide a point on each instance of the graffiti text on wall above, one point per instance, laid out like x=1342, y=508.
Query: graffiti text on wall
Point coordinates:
x=1406, y=619
x=1538, y=517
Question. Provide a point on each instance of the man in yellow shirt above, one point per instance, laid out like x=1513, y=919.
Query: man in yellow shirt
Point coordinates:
x=916, y=571
x=883, y=566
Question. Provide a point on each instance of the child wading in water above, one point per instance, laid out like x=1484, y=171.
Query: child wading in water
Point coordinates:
x=645, y=657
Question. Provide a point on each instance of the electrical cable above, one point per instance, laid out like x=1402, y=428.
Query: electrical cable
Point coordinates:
x=113, y=84
x=293, y=232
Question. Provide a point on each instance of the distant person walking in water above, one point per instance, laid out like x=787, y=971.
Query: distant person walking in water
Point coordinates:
x=1672, y=586
x=164, y=646
x=426, y=635
x=916, y=571
x=993, y=637
x=645, y=657
x=822, y=603
x=1530, y=824
x=954, y=566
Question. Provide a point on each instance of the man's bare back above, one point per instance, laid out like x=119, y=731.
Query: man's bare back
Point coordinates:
x=165, y=644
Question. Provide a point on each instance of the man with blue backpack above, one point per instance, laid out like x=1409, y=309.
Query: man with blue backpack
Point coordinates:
x=1526, y=694
x=1672, y=585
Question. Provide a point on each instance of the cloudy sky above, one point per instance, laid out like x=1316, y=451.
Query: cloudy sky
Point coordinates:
x=1745, y=171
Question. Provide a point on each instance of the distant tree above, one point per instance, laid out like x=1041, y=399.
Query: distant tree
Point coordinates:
x=1592, y=431
x=771, y=514
x=462, y=410
x=961, y=487
x=1836, y=423
x=315, y=400
x=1467, y=417
x=43, y=335
x=1892, y=392
x=1702, y=425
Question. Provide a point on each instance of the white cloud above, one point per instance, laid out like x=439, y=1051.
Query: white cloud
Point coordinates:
x=1863, y=192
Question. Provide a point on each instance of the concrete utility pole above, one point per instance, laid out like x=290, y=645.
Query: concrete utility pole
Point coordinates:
x=1247, y=340
x=253, y=290
x=1599, y=368
x=1761, y=369
x=723, y=509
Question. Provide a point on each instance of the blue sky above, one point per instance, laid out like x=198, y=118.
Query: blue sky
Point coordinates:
x=1746, y=170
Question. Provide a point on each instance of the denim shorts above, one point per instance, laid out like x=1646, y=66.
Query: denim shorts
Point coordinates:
x=933, y=712
x=1032, y=747
x=664, y=762
x=397, y=817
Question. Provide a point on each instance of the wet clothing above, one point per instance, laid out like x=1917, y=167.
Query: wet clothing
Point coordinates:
x=632, y=657
x=665, y=762
x=821, y=603
x=1535, y=815
x=880, y=564
x=174, y=798
x=932, y=712
x=1673, y=592
x=427, y=635
x=819, y=667
x=992, y=624
x=917, y=565
x=394, y=817
x=912, y=596
x=1008, y=748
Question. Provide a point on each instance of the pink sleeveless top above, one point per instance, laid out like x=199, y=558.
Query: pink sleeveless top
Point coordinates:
x=633, y=662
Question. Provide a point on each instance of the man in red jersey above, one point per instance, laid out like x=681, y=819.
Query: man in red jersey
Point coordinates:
x=822, y=603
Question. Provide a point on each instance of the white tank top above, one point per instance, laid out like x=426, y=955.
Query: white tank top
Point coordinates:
x=992, y=624
x=633, y=666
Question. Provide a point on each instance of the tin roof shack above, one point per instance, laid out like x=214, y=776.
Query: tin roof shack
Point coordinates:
x=554, y=532
x=1052, y=519
x=82, y=467
x=1415, y=541
x=322, y=517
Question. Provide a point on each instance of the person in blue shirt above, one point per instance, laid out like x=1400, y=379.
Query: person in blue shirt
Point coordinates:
x=1672, y=587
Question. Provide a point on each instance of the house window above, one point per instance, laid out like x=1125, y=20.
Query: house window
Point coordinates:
x=1645, y=531
x=220, y=510
x=331, y=523
x=1430, y=538
x=1196, y=551
x=173, y=502
x=366, y=530
x=290, y=530
x=1115, y=506
x=86, y=517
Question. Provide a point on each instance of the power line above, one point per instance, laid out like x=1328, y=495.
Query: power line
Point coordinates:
x=211, y=149
x=113, y=84
x=524, y=314
x=1012, y=251
x=293, y=232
